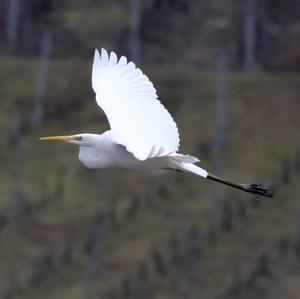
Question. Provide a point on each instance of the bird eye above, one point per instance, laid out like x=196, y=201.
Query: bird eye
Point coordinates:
x=78, y=138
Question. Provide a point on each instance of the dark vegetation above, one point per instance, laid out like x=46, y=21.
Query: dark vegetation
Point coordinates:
x=68, y=232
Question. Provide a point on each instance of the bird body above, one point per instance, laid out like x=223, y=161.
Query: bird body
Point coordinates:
x=143, y=134
x=103, y=151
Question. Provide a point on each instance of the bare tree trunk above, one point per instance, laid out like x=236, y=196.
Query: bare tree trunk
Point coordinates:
x=263, y=39
x=42, y=74
x=12, y=22
x=96, y=235
x=221, y=113
x=135, y=30
x=288, y=268
x=249, y=34
x=18, y=206
x=214, y=208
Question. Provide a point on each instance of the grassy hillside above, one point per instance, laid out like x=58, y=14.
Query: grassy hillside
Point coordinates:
x=123, y=234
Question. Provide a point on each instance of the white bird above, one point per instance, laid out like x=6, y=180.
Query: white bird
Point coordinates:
x=143, y=134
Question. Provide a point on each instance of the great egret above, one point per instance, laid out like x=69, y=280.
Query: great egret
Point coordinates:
x=143, y=134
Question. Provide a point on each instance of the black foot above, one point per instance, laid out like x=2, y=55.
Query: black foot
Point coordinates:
x=258, y=189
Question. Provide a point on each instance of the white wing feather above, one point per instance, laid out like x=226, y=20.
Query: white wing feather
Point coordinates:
x=141, y=123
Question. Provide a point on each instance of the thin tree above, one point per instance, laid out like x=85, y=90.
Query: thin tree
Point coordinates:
x=250, y=20
x=41, y=80
x=96, y=236
x=12, y=14
x=135, y=31
x=221, y=113
x=18, y=206
x=214, y=208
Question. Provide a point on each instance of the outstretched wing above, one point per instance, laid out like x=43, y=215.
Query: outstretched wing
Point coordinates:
x=129, y=100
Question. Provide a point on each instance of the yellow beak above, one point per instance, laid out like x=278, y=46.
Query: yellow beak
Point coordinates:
x=57, y=138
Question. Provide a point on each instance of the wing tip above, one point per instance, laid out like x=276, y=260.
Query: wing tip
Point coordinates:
x=103, y=51
x=104, y=57
x=113, y=58
x=97, y=59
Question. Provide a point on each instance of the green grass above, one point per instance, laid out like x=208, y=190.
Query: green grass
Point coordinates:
x=263, y=130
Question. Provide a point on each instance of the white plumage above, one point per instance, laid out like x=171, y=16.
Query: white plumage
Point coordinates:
x=135, y=114
x=143, y=134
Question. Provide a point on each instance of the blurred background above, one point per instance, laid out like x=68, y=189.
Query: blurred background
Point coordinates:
x=228, y=71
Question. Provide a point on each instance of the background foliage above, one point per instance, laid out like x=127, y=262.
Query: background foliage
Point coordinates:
x=229, y=74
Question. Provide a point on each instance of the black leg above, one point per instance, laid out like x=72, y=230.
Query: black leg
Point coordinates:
x=251, y=188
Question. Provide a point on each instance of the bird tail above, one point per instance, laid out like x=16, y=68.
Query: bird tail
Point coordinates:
x=191, y=168
x=185, y=163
